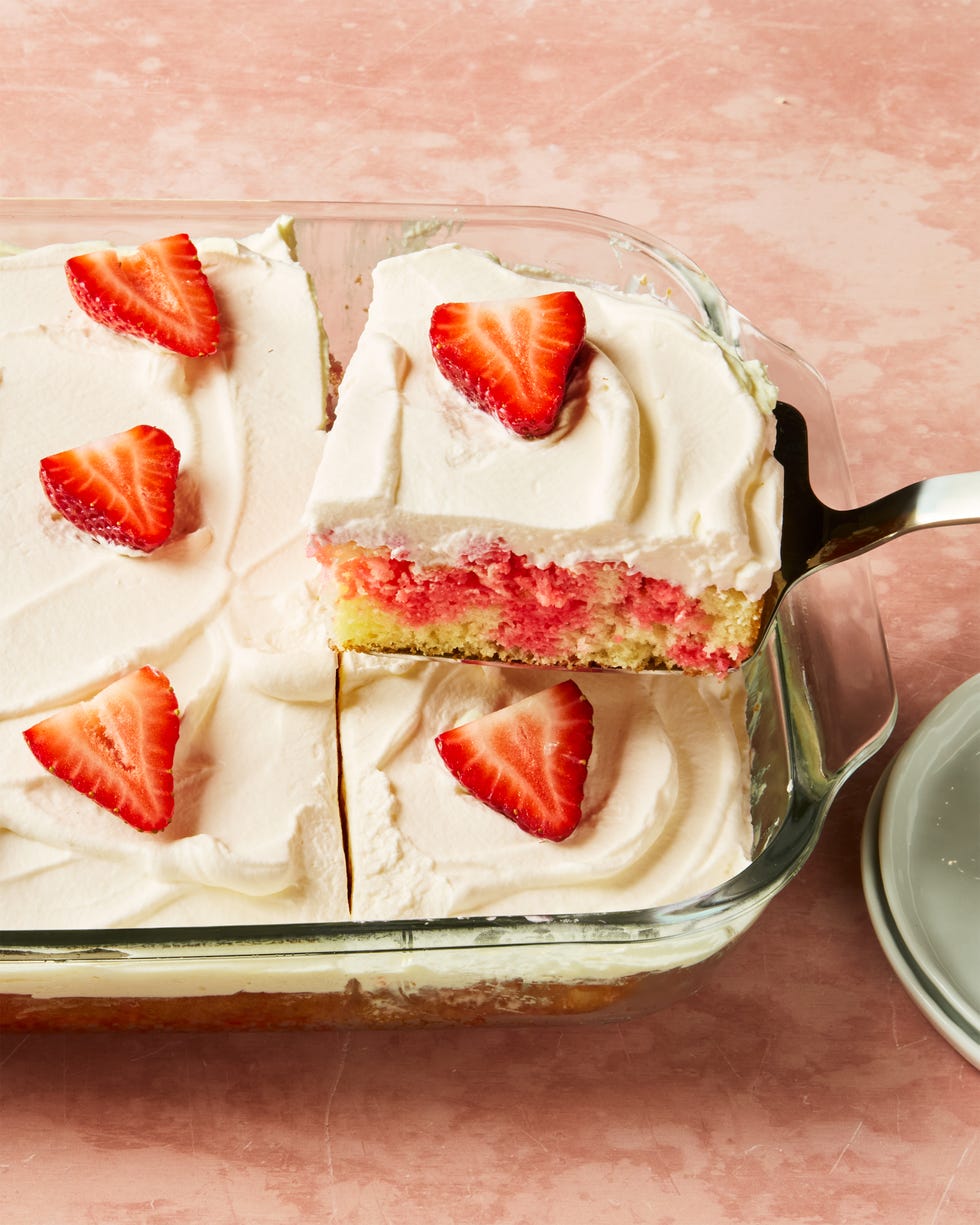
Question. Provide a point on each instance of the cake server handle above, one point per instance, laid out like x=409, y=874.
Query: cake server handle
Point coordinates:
x=815, y=535
x=937, y=501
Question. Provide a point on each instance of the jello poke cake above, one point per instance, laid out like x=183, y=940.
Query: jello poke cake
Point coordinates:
x=545, y=472
x=219, y=706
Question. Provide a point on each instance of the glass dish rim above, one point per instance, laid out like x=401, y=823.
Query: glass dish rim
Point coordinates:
x=742, y=895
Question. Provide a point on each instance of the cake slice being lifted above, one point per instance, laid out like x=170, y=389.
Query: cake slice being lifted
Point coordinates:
x=639, y=530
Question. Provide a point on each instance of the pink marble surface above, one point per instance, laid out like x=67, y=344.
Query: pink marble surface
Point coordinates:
x=822, y=162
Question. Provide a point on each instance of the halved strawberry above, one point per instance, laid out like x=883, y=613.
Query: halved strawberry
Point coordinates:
x=159, y=292
x=528, y=761
x=120, y=489
x=511, y=357
x=117, y=748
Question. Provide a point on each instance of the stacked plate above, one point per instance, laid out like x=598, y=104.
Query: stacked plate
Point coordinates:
x=921, y=867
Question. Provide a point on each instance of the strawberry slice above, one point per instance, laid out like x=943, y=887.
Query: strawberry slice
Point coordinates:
x=159, y=292
x=117, y=748
x=511, y=357
x=528, y=761
x=120, y=489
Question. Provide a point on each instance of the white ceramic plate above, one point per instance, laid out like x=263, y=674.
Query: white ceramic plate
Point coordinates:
x=921, y=867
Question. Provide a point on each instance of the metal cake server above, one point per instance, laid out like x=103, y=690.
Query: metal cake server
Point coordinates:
x=815, y=535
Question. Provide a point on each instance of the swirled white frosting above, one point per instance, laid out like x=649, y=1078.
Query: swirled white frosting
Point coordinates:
x=666, y=810
x=662, y=456
x=223, y=608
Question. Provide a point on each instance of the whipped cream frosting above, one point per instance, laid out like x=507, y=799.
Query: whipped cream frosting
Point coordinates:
x=224, y=608
x=662, y=456
x=666, y=813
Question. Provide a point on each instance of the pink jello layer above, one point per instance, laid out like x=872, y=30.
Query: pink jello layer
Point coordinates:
x=538, y=610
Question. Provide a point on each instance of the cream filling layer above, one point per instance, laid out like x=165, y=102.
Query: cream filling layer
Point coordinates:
x=662, y=457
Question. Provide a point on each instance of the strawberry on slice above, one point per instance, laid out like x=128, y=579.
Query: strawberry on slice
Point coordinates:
x=120, y=489
x=511, y=357
x=117, y=748
x=528, y=761
x=159, y=292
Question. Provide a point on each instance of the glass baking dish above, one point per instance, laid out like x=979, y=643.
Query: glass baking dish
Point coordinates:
x=821, y=701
